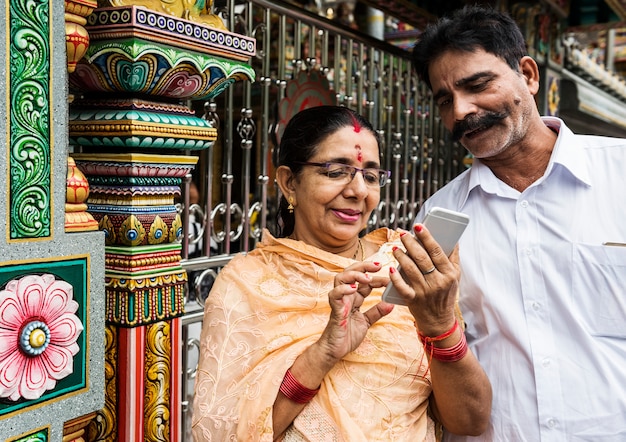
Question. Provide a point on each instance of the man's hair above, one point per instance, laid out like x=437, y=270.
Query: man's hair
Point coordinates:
x=469, y=29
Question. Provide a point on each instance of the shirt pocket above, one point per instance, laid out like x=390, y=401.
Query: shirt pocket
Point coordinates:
x=599, y=288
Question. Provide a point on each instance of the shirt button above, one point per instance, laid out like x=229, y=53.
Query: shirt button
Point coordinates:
x=536, y=306
x=524, y=204
x=551, y=423
x=529, y=251
x=546, y=362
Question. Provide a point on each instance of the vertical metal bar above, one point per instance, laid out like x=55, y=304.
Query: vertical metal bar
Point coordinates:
x=359, y=74
x=405, y=129
x=282, y=44
x=246, y=159
x=371, y=86
x=383, y=67
x=297, y=50
x=324, y=60
x=349, y=99
x=185, y=406
x=227, y=176
x=210, y=113
x=337, y=69
x=430, y=143
x=415, y=143
x=266, y=82
x=422, y=152
x=312, y=58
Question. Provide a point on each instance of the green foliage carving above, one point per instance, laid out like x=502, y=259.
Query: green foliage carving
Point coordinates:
x=29, y=155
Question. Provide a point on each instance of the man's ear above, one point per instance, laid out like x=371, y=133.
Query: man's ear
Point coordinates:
x=530, y=71
x=285, y=180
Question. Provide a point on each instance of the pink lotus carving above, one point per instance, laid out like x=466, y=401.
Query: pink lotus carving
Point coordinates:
x=38, y=333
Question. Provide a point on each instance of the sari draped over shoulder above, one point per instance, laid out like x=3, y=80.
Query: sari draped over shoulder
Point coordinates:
x=265, y=308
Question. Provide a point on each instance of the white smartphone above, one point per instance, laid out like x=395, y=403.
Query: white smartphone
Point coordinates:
x=446, y=226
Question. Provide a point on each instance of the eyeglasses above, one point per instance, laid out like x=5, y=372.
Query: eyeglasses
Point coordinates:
x=344, y=174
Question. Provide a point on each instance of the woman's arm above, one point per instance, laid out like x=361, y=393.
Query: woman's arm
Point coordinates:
x=309, y=370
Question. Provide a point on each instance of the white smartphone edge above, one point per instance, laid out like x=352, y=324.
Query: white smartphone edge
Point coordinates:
x=446, y=226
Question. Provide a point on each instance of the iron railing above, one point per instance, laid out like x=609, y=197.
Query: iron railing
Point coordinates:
x=296, y=49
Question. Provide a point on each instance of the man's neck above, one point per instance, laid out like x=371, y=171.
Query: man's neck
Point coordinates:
x=527, y=163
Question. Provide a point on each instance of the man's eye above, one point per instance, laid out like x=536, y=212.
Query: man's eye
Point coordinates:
x=476, y=87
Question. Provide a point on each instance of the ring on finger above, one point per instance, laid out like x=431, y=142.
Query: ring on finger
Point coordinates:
x=429, y=271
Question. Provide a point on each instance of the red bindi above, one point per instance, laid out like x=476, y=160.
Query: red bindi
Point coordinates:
x=359, y=153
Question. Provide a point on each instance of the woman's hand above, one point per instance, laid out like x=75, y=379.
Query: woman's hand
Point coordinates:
x=431, y=281
x=347, y=324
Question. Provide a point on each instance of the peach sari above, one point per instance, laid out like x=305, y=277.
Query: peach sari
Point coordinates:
x=265, y=309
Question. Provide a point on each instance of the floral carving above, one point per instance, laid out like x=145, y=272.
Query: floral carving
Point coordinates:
x=38, y=333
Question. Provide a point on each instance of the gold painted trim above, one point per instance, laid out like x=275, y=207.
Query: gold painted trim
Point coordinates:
x=594, y=111
x=7, y=117
x=135, y=128
x=51, y=81
x=137, y=158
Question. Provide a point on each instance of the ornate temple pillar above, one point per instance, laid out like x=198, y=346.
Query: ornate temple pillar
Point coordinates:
x=136, y=139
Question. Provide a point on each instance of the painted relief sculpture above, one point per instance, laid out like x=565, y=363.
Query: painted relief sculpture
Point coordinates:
x=134, y=133
x=29, y=160
x=51, y=282
x=76, y=36
x=77, y=219
x=38, y=333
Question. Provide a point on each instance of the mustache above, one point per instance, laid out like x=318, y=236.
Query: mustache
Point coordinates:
x=472, y=123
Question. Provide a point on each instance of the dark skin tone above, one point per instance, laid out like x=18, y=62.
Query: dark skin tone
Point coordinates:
x=469, y=86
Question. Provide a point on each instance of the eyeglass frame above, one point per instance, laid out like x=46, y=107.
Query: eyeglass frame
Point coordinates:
x=382, y=173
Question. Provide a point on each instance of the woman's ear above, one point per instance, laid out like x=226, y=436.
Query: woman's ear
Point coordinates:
x=530, y=71
x=285, y=180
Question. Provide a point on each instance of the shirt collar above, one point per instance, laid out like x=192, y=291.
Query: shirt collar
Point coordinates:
x=568, y=153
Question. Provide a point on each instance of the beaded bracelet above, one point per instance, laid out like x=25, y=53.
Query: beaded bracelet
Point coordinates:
x=295, y=391
x=450, y=354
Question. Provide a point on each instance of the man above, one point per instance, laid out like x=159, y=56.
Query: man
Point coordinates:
x=543, y=284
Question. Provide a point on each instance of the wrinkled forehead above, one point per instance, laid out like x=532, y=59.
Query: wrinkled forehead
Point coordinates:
x=454, y=65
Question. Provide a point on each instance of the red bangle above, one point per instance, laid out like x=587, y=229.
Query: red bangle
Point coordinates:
x=450, y=354
x=295, y=391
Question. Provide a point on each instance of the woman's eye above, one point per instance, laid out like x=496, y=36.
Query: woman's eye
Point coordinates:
x=371, y=177
x=337, y=173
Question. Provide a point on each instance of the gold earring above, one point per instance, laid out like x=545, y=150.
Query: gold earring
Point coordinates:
x=290, y=206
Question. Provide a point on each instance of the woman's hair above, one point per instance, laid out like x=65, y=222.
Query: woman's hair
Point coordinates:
x=468, y=29
x=299, y=142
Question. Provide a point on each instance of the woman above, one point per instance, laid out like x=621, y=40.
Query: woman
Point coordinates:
x=296, y=343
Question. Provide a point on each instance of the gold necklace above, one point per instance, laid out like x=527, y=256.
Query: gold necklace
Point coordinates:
x=359, y=246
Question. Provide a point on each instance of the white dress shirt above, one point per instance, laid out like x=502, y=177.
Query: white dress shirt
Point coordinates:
x=544, y=298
